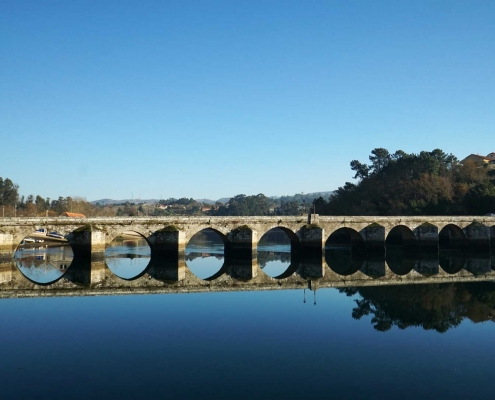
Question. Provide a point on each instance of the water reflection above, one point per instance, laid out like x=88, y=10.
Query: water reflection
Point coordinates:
x=274, y=260
x=125, y=346
x=452, y=262
x=43, y=264
x=344, y=261
x=128, y=255
x=399, y=261
x=274, y=253
x=438, y=307
x=205, y=254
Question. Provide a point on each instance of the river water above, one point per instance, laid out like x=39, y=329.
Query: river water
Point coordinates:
x=390, y=342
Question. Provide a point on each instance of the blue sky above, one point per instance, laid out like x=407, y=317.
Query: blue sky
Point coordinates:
x=150, y=99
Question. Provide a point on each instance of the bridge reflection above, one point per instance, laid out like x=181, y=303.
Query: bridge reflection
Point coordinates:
x=335, y=269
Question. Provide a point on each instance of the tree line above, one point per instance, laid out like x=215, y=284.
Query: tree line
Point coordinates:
x=428, y=183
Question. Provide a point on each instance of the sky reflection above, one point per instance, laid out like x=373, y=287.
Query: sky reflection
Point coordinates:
x=182, y=345
x=128, y=258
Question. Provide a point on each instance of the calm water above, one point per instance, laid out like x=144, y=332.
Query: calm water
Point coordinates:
x=431, y=341
x=234, y=345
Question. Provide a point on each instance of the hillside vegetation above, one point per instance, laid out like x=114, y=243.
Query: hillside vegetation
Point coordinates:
x=428, y=183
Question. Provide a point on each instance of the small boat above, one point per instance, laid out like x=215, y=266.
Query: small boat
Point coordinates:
x=55, y=235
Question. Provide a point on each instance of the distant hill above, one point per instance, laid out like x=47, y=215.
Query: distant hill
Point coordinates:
x=205, y=201
x=136, y=201
x=307, y=197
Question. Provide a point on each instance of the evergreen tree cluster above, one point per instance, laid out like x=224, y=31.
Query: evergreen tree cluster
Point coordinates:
x=428, y=183
x=242, y=205
x=8, y=192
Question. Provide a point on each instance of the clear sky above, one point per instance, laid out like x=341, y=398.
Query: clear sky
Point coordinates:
x=206, y=99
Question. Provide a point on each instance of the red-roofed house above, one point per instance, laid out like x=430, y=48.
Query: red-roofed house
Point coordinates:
x=72, y=215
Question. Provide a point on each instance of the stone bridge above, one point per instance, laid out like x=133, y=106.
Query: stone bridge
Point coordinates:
x=169, y=236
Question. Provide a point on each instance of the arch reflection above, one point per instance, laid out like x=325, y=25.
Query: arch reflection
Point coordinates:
x=451, y=237
x=452, y=262
x=44, y=256
x=205, y=254
x=274, y=253
x=128, y=255
x=492, y=240
x=400, y=261
x=401, y=236
x=345, y=251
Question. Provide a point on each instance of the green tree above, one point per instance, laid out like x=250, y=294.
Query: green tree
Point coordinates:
x=41, y=204
x=8, y=192
x=480, y=199
x=289, y=208
x=242, y=205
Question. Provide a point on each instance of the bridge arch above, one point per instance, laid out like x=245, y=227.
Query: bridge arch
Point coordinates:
x=24, y=231
x=111, y=235
x=399, y=254
x=451, y=237
x=401, y=235
x=345, y=251
x=295, y=239
x=276, y=252
x=205, y=253
x=43, y=257
x=128, y=255
x=193, y=230
x=347, y=238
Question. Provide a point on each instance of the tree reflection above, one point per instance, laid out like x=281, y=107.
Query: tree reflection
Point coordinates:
x=438, y=307
x=265, y=257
